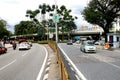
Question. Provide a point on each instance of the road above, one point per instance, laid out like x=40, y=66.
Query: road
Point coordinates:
x=22, y=65
x=103, y=65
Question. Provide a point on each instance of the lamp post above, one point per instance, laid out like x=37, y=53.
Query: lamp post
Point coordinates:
x=56, y=30
x=55, y=17
x=47, y=32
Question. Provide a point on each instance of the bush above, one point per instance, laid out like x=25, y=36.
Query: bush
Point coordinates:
x=42, y=42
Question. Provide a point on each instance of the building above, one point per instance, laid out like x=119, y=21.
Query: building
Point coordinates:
x=83, y=28
x=97, y=28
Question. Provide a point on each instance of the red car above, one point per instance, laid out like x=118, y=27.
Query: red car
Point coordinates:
x=0, y=50
x=3, y=49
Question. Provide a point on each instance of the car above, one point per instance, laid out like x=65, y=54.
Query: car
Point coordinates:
x=77, y=42
x=88, y=46
x=69, y=42
x=3, y=49
x=30, y=43
x=24, y=46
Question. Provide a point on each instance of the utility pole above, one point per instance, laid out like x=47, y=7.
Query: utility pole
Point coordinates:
x=56, y=28
x=55, y=17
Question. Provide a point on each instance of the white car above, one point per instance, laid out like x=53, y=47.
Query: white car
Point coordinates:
x=30, y=44
x=24, y=45
x=88, y=46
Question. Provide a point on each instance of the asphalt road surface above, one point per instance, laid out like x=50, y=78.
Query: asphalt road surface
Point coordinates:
x=102, y=65
x=22, y=65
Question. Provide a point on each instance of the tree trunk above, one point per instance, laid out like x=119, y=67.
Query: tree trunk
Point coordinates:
x=106, y=31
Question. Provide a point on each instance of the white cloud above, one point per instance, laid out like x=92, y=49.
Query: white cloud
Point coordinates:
x=14, y=11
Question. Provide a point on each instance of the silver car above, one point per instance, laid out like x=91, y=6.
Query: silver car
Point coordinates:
x=69, y=42
x=88, y=46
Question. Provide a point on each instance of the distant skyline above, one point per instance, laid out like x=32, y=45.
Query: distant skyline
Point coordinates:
x=14, y=11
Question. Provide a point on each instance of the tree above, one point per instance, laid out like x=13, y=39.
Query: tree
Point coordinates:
x=3, y=31
x=102, y=13
x=32, y=15
x=25, y=27
x=43, y=9
x=66, y=20
x=46, y=9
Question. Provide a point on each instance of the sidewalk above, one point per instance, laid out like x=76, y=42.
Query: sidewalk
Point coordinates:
x=52, y=69
x=112, y=49
x=8, y=45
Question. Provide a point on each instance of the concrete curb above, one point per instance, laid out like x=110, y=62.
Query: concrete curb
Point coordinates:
x=52, y=70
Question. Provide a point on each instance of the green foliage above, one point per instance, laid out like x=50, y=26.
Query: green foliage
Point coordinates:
x=118, y=31
x=3, y=31
x=66, y=20
x=41, y=31
x=25, y=27
x=102, y=13
x=43, y=9
x=42, y=42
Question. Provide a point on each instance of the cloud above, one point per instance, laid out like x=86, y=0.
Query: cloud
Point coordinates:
x=10, y=1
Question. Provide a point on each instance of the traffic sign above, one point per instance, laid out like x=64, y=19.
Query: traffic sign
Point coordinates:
x=55, y=18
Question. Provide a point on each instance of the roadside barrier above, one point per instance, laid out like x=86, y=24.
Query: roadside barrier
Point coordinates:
x=67, y=70
x=62, y=69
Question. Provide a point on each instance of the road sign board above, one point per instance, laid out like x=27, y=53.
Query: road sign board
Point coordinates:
x=55, y=18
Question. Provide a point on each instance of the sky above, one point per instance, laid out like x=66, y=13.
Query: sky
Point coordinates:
x=14, y=11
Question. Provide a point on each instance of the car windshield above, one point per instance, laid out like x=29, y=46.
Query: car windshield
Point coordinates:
x=89, y=44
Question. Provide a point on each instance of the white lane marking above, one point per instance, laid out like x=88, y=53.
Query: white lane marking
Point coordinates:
x=24, y=54
x=76, y=69
x=43, y=66
x=8, y=64
x=107, y=60
x=113, y=65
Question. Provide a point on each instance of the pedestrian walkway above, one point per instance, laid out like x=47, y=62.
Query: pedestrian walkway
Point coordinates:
x=8, y=45
x=52, y=69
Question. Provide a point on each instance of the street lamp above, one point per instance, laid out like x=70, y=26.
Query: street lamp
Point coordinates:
x=56, y=30
x=55, y=17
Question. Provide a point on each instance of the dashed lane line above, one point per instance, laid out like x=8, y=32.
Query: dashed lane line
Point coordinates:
x=25, y=54
x=7, y=65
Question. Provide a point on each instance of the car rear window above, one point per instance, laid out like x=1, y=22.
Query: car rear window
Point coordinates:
x=90, y=43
